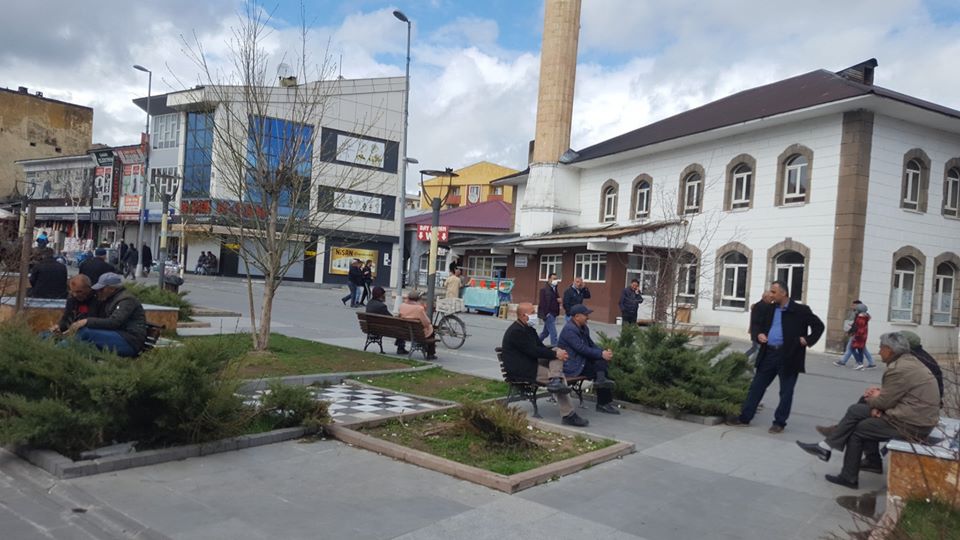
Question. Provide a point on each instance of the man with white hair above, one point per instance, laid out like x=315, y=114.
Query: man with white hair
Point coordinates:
x=119, y=325
x=906, y=405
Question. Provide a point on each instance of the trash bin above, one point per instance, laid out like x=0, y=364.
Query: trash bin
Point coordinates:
x=172, y=283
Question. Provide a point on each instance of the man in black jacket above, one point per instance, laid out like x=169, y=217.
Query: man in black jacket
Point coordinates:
x=120, y=324
x=548, y=309
x=630, y=300
x=354, y=282
x=377, y=306
x=574, y=295
x=784, y=333
x=522, y=353
x=757, y=314
x=96, y=266
x=81, y=303
x=48, y=278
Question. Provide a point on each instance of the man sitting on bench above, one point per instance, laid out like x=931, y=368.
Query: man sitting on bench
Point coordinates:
x=586, y=358
x=81, y=303
x=411, y=308
x=120, y=324
x=522, y=352
x=377, y=306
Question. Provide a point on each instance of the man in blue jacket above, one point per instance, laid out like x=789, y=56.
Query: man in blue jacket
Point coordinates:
x=630, y=300
x=586, y=358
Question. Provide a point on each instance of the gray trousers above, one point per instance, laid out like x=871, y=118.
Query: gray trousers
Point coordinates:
x=554, y=370
x=858, y=432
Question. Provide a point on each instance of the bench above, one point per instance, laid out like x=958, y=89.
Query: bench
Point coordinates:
x=153, y=335
x=376, y=327
x=528, y=390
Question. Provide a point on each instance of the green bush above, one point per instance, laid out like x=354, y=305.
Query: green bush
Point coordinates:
x=69, y=397
x=291, y=405
x=496, y=422
x=152, y=294
x=658, y=368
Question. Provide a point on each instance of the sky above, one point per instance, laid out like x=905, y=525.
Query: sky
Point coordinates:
x=475, y=64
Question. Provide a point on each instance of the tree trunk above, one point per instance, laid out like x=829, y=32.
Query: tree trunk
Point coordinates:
x=263, y=336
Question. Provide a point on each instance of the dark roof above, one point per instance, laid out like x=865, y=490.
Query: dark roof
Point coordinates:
x=491, y=215
x=803, y=91
x=158, y=104
x=609, y=231
x=503, y=179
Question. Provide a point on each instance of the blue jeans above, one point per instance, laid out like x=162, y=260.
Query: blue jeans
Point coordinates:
x=550, y=328
x=107, y=340
x=771, y=366
x=849, y=352
x=352, y=297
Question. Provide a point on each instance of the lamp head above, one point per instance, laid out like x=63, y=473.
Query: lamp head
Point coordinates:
x=399, y=15
x=138, y=67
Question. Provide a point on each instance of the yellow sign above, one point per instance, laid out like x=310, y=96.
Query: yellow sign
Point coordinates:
x=340, y=259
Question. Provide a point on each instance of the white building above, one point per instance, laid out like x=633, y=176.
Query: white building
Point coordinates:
x=842, y=188
x=355, y=135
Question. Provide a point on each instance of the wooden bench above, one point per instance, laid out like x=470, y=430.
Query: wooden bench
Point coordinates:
x=376, y=327
x=528, y=390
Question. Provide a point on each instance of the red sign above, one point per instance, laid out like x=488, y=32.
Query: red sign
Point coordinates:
x=423, y=233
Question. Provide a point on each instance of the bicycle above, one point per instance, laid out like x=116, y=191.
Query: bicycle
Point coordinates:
x=451, y=329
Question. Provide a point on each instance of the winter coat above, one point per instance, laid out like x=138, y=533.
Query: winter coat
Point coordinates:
x=122, y=313
x=355, y=276
x=630, y=301
x=95, y=267
x=573, y=296
x=908, y=394
x=77, y=310
x=860, y=331
x=797, y=321
x=521, y=351
x=580, y=346
x=549, y=303
x=48, y=279
x=147, y=257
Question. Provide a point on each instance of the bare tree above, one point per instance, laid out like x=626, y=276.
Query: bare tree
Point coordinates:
x=272, y=196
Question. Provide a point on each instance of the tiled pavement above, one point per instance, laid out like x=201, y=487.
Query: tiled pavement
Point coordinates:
x=352, y=404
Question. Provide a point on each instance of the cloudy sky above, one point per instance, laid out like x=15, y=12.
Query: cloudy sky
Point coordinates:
x=475, y=63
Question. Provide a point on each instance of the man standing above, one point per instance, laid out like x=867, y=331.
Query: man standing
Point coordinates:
x=130, y=261
x=97, y=265
x=907, y=405
x=411, y=308
x=120, y=324
x=575, y=295
x=757, y=315
x=81, y=303
x=548, y=308
x=630, y=300
x=522, y=353
x=586, y=358
x=48, y=278
x=784, y=334
x=454, y=283
x=354, y=282
x=147, y=257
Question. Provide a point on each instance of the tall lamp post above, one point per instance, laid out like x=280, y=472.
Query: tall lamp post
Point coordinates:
x=435, y=204
x=146, y=172
x=166, y=195
x=402, y=199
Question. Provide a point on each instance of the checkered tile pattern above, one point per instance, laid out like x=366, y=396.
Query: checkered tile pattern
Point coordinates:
x=350, y=404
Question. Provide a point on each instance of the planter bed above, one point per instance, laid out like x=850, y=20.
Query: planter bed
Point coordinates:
x=353, y=434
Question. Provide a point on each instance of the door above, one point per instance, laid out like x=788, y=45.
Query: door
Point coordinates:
x=644, y=268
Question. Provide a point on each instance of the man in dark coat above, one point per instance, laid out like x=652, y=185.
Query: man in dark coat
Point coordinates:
x=784, y=334
x=377, y=306
x=48, y=278
x=630, y=300
x=120, y=324
x=586, y=358
x=522, y=353
x=548, y=309
x=147, y=259
x=757, y=315
x=130, y=261
x=575, y=294
x=96, y=266
x=81, y=303
x=354, y=283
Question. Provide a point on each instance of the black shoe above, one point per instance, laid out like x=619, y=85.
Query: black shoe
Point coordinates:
x=556, y=386
x=826, y=431
x=735, y=421
x=841, y=481
x=403, y=351
x=775, y=429
x=608, y=408
x=814, y=450
x=871, y=467
x=601, y=381
x=573, y=419
x=344, y=301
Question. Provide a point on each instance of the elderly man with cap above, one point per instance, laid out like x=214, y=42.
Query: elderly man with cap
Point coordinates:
x=586, y=358
x=411, y=308
x=96, y=266
x=906, y=405
x=120, y=324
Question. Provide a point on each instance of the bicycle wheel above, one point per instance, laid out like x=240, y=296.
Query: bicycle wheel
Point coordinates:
x=452, y=331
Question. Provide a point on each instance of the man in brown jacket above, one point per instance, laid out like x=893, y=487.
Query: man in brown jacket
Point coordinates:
x=906, y=406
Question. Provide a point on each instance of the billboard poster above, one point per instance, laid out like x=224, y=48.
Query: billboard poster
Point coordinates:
x=103, y=186
x=341, y=257
x=132, y=191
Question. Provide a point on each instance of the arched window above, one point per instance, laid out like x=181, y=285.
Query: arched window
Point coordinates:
x=789, y=267
x=911, y=185
x=734, y=267
x=796, y=179
x=901, y=297
x=742, y=186
x=643, y=200
x=944, y=283
x=687, y=279
x=951, y=193
x=609, y=204
x=692, y=193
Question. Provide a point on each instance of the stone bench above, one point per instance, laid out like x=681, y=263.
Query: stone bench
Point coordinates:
x=43, y=313
x=926, y=470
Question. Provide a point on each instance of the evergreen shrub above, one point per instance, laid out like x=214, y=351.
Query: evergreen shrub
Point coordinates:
x=658, y=368
x=152, y=294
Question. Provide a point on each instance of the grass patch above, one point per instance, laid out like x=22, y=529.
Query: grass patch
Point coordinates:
x=922, y=520
x=295, y=356
x=442, y=384
x=445, y=435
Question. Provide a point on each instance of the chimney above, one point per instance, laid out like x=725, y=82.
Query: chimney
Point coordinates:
x=558, y=70
x=22, y=89
x=861, y=73
x=287, y=82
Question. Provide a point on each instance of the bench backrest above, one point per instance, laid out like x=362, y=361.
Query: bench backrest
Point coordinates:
x=503, y=369
x=387, y=326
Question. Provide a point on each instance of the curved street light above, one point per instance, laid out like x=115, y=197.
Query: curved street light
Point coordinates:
x=402, y=199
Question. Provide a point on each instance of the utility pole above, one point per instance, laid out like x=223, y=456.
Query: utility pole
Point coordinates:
x=435, y=204
x=26, y=242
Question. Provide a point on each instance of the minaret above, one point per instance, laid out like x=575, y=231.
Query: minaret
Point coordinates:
x=547, y=201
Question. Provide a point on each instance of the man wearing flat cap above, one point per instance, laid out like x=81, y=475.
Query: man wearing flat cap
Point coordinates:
x=586, y=358
x=96, y=266
x=119, y=325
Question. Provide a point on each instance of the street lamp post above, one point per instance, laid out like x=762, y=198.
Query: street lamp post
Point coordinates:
x=402, y=199
x=146, y=172
x=435, y=204
x=166, y=196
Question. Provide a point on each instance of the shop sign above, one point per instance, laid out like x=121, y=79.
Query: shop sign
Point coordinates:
x=423, y=233
x=520, y=261
x=341, y=257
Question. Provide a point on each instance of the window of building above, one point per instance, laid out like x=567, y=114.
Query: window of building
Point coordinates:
x=687, y=280
x=591, y=266
x=692, y=193
x=911, y=186
x=943, y=290
x=486, y=266
x=789, y=268
x=796, y=180
x=162, y=180
x=498, y=190
x=643, y=200
x=455, y=191
x=901, y=296
x=645, y=269
x=608, y=201
x=742, y=187
x=197, y=160
x=734, y=276
x=165, y=130
x=274, y=145
x=551, y=264
x=951, y=193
